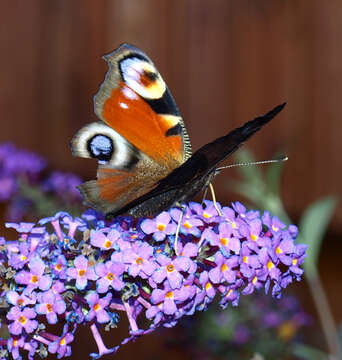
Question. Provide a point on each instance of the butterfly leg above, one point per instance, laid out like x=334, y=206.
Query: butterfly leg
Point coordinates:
x=214, y=198
x=178, y=228
x=204, y=195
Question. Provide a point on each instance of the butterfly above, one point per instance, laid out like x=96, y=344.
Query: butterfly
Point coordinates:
x=146, y=164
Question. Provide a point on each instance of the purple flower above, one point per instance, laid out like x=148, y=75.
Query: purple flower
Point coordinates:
x=58, y=288
x=273, y=223
x=18, y=260
x=224, y=239
x=298, y=259
x=82, y=271
x=208, y=213
x=243, y=213
x=160, y=227
x=100, y=240
x=166, y=300
x=34, y=278
x=20, y=300
x=97, y=307
x=231, y=296
x=8, y=187
x=283, y=247
x=49, y=305
x=207, y=285
x=253, y=232
x=224, y=269
x=269, y=264
x=110, y=275
x=190, y=223
x=241, y=335
x=63, y=184
x=13, y=346
x=140, y=260
x=249, y=261
x=60, y=346
x=170, y=269
x=59, y=267
x=21, y=319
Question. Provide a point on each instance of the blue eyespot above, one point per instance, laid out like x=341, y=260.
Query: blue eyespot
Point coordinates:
x=101, y=147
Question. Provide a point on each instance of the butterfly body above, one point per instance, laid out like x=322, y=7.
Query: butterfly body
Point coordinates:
x=141, y=143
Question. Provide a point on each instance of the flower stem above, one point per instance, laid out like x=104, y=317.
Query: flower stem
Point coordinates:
x=325, y=315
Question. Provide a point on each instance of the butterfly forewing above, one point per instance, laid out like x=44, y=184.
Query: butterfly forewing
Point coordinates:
x=141, y=138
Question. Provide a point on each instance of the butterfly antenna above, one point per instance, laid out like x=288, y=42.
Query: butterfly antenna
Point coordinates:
x=284, y=158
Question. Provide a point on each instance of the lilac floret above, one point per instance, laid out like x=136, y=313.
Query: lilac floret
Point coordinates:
x=110, y=275
x=50, y=306
x=21, y=319
x=98, y=307
x=82, y=272
x=34, y=278
x=160, y=227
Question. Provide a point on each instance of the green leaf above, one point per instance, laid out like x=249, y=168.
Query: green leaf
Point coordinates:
x=307, y=352
x=312, y=227
x=273, y=173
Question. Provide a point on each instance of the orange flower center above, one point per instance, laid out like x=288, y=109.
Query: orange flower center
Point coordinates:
x=254, y=237
x=49, y=307
x=34, y=279
x=161, y=227
x=224, y=268
x=81, y=272
x=97, y=307
x=208, y=286
x=169, y=295
x=62, y=342
x=170, y=268
x=279, y=250
x=110, y=276
x=108, y=244
x=224, y=241
x=20, y=302
x=22, y=319
x=270, y=265
x=187, y=225
x=139, y=261
x=58, y=267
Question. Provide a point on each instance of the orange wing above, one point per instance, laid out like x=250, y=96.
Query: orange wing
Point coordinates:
x=135, y=101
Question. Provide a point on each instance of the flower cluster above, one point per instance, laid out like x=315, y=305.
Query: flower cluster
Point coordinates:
x=86, y=270
x=19, y=168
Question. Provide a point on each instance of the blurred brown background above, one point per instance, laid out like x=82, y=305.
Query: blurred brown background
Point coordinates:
x=225, y=61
